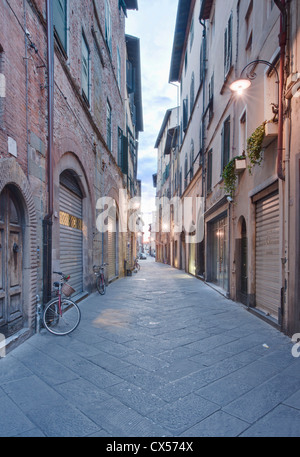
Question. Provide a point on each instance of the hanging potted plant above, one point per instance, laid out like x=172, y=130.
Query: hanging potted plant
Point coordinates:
x=240, y=164
x=229, y=176
x=254, y=146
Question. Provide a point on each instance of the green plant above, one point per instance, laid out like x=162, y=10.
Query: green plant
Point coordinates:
x=229, y=176
x=254, y=146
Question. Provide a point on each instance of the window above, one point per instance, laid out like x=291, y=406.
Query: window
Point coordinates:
x=249, y=28
x=119, y=68
x=185, y=61
x=120, y=146
x=202, y=61
x=180, y=182
x=108, y=25
x=209, y=171
x=201, y=143
x=185, y=114
x=212, y=27
x=2, y=87
x=130, y=77
x=211, y=99
x=192, y=34
x=108, y=126
x=186, y=171
x=192, y=160
x=60, y=22
x=122, y=5
x=243, y=134
x=228, y=47
x=225, y=138
x=85, y=69
x=192, y=93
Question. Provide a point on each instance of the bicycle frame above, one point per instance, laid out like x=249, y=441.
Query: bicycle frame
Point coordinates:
x=59, y=294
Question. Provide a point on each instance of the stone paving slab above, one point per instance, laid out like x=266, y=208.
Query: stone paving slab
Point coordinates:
x=162, y=354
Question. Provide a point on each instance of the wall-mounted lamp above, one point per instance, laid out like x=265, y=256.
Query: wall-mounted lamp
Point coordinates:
x=243, y=82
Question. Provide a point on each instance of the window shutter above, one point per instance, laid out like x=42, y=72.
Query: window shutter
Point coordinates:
x=209, y=170
x=222, y=150
x=192, y=93
x=125, y=155
x=130, y=74
x=60, y=21
x=228, y=47
x=185, y=113
x=226, y=141
x=108, y=25
x=119, y=68
x=120, y=146
x=85, y=68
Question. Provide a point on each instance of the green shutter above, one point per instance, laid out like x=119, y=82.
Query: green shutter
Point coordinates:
x=85, y=68
x=222, y=150
x=60, y=21
x=125, y=156
x=108, y=25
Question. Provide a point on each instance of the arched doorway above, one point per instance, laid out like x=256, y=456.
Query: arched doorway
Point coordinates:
x=11, y=262
x=71, y=228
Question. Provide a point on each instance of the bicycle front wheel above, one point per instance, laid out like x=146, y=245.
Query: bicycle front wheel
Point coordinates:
x=101, y=285
x=64, y=321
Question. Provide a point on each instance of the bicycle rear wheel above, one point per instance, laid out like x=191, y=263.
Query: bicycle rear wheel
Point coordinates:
x=101, y=285
x=61, y=323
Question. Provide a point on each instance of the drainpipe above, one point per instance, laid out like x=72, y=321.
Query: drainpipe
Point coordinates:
x=27, y=84
x=282, y=43
x=47, y=222
x=204, y=176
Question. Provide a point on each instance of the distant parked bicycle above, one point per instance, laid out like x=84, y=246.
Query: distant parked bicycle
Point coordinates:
x=136, y=266
x=61, y=315
x=100, y=279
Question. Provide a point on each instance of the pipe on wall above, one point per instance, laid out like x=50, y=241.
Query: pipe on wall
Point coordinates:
x=282, y=43
x=47, y=222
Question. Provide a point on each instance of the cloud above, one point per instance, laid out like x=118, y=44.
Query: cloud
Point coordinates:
x=154, y=24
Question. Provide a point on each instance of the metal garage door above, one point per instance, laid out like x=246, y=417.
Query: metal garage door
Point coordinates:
x=112, y=255
x=71, y=237
x=268, y=255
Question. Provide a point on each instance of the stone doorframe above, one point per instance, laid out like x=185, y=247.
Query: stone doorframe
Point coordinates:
x=12, y=174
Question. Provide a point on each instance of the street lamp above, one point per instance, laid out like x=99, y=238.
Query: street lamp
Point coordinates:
x=244, y=82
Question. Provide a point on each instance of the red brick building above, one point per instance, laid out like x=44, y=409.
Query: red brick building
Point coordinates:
x=64, y=143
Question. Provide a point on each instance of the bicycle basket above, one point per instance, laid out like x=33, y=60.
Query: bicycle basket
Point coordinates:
x=67, y=290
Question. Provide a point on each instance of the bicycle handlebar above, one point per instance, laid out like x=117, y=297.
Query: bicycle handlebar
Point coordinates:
x=65, y=277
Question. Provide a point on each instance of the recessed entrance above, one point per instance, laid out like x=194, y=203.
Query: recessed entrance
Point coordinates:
x=11, y=261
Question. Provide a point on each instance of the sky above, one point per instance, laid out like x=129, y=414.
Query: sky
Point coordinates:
x=154, y=25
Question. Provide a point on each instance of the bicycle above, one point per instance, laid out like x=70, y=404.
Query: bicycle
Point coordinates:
x=136, y=266
x=100, y=280
x=61, y=315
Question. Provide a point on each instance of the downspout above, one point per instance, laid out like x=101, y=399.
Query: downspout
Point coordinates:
x=204, y=187
x=47, y=222
x=27, y=84
x=282, y=43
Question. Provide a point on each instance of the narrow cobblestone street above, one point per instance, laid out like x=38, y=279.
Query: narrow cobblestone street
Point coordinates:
x=161, y=354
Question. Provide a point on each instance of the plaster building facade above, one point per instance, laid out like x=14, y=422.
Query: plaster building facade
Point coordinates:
x=245, y=164
x=65, y=130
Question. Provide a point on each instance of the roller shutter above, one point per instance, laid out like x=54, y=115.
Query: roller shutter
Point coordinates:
x=111, y=248
x=71, y=236
x=268, y=255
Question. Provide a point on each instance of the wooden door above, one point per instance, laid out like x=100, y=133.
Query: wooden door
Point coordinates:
x=11, y=250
